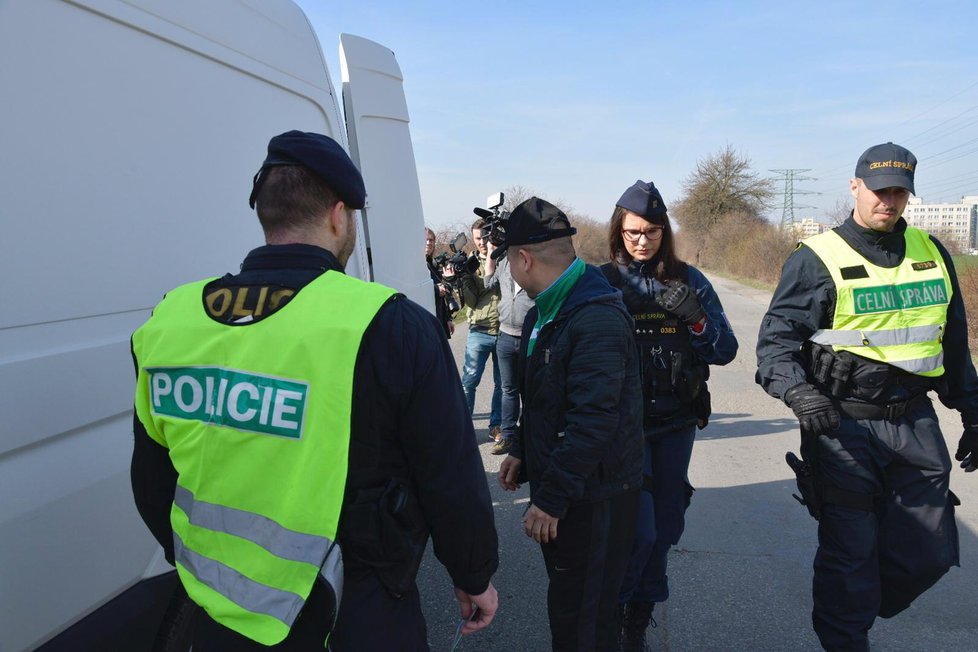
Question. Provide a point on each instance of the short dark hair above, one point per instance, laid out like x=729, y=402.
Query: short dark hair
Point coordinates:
x=292, y=196
x=478, y=224
x=668, y=265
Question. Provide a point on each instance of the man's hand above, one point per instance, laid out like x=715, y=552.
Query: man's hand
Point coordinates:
x=539, y=525
x=815, y=412
x=509, y=471
x=968, y=449
x=451, y=327
x=490, y=267
x=681, y=301
x=486, y=602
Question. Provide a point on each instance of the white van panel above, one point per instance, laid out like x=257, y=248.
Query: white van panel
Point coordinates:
x=130, y=136
x=380, y=144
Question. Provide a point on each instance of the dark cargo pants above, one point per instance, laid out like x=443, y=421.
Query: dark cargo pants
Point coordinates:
x=875, y=563
x=585, y=565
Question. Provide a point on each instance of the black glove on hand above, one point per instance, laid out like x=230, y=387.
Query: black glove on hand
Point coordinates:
x=814, y=410
x=968, y=449
x=678, y=299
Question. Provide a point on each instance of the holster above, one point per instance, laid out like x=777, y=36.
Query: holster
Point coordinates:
x=385, y=530
x=807, y=487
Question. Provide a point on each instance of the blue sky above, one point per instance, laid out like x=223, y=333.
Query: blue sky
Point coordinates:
x=577, y=101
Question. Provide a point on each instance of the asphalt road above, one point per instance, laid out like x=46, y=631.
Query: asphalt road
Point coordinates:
x=740, y=578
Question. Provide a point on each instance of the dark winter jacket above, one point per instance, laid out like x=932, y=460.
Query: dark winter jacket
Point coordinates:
x=580, y=435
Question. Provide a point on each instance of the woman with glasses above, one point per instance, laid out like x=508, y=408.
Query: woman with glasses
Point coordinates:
x=680, y=328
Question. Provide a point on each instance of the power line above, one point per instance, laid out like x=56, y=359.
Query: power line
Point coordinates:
x=940, y=104
x=831, y=172
x=790, y=176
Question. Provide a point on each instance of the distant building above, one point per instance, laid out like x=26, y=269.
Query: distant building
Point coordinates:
x=953, y=224
x=808, y=227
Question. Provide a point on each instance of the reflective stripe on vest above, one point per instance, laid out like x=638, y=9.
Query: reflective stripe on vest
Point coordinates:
x=280, y=541
x=892, y=315
x=256, y=418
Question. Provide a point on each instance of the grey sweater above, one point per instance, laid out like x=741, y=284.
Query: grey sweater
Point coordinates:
x=513, y=302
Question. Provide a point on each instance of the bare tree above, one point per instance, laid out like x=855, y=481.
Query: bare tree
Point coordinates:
x=839, y=212
x=516, y=195
x=722, y=184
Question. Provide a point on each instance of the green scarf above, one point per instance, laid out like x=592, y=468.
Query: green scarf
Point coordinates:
x=550, y=300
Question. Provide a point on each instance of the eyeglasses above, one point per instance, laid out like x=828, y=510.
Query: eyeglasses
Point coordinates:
x=633, y=235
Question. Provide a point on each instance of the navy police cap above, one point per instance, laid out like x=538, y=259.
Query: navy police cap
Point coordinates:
x=887, y=166
x=323, y=156
x=643, y=199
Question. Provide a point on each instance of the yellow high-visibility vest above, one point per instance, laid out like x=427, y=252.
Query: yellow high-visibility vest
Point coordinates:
x=894, y=315
x=256, y=418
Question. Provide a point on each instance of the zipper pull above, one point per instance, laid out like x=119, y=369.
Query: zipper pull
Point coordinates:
x=546, y=356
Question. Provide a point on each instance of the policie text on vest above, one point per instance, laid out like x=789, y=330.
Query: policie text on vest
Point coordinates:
x=237, y=399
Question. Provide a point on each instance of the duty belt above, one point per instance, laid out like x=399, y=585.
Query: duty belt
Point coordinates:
x=886, y=411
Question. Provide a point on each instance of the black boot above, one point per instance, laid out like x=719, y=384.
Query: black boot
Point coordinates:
x=635, y=621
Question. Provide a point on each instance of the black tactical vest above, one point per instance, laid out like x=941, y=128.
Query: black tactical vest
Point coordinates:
x=672, y=378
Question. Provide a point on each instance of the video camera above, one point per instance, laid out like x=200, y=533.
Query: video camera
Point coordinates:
x=457, y=259
x=496, y=219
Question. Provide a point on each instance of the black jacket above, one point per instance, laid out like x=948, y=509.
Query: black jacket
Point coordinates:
x=580, y=434
x=804, y=302
x=409, y=421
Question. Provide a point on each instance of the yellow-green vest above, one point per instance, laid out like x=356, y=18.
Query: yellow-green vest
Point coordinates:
x=893, y=315
x=256, y=418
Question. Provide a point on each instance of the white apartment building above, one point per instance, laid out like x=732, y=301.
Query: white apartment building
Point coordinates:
x=953, y=224
x=808, y=227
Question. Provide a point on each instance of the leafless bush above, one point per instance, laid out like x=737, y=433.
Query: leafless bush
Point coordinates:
x=968, y=283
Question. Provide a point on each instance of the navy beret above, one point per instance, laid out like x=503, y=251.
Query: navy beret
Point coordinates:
x=323, y=156
x=643, y=199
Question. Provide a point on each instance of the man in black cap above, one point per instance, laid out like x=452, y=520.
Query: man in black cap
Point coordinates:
x=866, y=320
x=286, y=409
x=579, y=440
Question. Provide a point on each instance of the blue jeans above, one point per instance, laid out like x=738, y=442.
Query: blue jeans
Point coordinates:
x=478, y=348
x=661, y=516
x=508, y=354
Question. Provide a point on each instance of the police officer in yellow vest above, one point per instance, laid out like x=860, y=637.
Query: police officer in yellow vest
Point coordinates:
x=286, y=453
x=866, y=320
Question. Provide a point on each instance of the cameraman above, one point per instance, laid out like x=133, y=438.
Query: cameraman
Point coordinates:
x=443, y=291
x=483, y=305
x=514, y=303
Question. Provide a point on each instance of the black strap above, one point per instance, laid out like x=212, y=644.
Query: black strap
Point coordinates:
x=886, y=411
x=612, y=273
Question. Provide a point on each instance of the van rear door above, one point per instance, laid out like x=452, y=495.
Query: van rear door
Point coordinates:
x=380, y=144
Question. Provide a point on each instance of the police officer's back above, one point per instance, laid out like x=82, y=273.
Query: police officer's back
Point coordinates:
x=287, y=408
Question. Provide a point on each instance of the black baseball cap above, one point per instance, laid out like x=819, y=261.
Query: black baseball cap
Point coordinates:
x=887, y=166
x=535, y=220
x=643, y=199
x=323, y=156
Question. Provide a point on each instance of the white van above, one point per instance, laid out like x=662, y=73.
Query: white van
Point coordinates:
x=129, y=136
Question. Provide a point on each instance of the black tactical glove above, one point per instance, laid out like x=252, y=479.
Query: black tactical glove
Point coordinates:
x=815, y=412
x=968, y=449
x=678, y=299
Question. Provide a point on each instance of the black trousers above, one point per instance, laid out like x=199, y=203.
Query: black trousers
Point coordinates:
x=586, y=564
x=875, y=563
x=369, y=621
